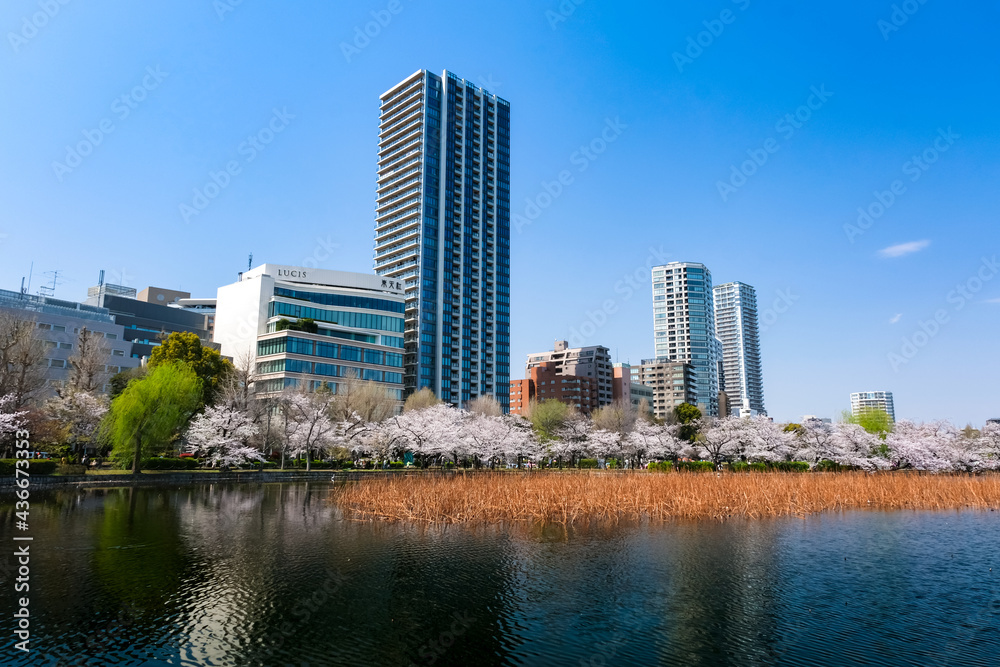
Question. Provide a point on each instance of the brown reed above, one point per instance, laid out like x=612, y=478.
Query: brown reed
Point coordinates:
x=633, y=496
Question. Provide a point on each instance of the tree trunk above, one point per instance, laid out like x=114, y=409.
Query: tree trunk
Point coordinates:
x=136, y=459
x=308, y=459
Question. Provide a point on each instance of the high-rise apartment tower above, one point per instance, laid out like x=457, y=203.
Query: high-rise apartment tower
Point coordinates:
x=442, y=231
x=736, y=326
x=684, y=325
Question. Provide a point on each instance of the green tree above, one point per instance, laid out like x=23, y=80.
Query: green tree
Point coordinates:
x=305, y=324
x=149, y=412
x=687, y=415
x=424, y=398
x=120, y=380
x=547, y=417
x=873, y=420
x=210, y=367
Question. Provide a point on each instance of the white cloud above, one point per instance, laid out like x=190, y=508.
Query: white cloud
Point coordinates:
x=903, y=249
x=896, y=318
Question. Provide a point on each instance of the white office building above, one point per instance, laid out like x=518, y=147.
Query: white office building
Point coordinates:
x=872, y=400
x=442, y=231
x=737, y=328
x=684, y=325
x=304, y=327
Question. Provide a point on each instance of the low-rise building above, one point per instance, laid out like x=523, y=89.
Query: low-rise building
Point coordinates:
x=304, y=327
x=621, y=383
x=546, y=382
x=640, y=393
x=672, y=382
x=58, y=324
x=586, y=362
x=149, y=319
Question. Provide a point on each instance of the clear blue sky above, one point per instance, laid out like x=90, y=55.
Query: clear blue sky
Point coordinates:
x=208, y=78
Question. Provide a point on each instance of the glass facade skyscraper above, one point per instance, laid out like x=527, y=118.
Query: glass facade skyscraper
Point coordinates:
x=737, y=328
x=684, y=325
x=442, y=232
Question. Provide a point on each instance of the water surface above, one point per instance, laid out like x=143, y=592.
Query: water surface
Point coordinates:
x=273, y=575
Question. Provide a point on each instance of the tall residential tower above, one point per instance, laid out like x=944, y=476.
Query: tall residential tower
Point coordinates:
x=442, y=231
x=684, y=325
x=737, y=328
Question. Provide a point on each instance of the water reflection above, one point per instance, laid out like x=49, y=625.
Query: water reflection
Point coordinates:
x=273, y=574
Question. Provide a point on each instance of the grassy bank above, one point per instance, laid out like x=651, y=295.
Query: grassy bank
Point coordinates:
x=554, y=497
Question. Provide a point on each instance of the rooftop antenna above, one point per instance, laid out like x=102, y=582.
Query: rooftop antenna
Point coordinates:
x=50, y=290
x=30, y=270
x=100, y=278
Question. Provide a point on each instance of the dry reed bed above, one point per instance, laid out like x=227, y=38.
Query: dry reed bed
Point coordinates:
x=566, y=498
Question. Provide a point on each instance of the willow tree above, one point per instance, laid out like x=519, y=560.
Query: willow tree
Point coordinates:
x=150, y=411
x=211, y=367
x=874, y=420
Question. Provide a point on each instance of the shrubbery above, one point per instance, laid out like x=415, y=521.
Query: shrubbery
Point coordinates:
x=773, y=466
x=696, y=466
x=36, y=467
x=165, y=463
x=588, y=463
x=790, y=466
x=660, y=466
x=397, y=464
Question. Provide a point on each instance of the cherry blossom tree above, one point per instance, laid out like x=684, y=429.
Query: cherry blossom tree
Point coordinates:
x=721, y=439
x=665, y=440
x=613, y=424
x=988, y=445
x=486, y=438
x=853, y=445
x=78, y=413
x=816, y=442
x=761, y=440
x=10, y=421
x=572, y=439
x=429, y=432
x=308, y=426
x=930, y=446
x=222, y=434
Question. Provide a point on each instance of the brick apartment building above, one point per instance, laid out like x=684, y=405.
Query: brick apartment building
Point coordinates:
x=545, y=382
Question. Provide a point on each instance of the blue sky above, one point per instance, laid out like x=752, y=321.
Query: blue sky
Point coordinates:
x=906, y=301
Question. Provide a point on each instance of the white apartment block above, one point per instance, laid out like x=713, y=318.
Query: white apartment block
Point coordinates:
x=872, y=400
x=737, y=328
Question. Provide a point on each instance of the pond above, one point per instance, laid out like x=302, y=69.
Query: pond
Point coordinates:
x=273, y=574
